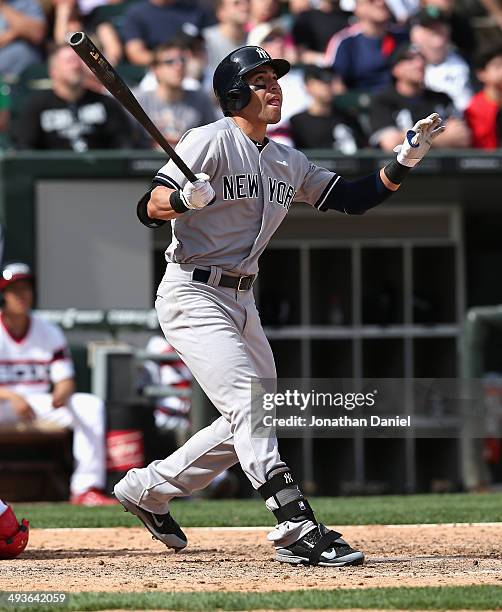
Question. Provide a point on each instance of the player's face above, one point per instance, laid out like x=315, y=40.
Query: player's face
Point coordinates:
x=266, y=96
x=18, y=297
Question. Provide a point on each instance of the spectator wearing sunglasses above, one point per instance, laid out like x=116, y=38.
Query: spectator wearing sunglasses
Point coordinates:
x=173, y=109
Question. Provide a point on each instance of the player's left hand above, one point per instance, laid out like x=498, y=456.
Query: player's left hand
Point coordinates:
x=418, y=140
x=199, y=194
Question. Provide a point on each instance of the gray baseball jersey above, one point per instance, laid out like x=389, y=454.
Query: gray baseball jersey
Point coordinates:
x=254, y=191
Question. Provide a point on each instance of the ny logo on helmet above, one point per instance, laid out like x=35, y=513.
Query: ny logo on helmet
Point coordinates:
x=262, y=53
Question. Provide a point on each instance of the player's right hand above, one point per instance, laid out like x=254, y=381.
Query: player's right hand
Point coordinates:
x=199, y=194
x=23, y=410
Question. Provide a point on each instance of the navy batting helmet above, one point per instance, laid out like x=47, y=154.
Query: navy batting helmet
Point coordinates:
x=230, y=88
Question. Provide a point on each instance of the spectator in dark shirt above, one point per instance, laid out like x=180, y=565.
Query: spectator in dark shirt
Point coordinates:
x=150, y=23
x=394, y=110
x=70, y=116
x=313, y=29
x=484, y=114
x=360, y=53
x=322, y=125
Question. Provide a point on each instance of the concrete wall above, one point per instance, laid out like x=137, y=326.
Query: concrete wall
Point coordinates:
x=91, y=251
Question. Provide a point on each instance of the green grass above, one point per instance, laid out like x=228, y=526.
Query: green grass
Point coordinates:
x=423, y=598
x=451, y=508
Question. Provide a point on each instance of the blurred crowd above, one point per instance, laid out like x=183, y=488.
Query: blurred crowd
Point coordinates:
x=364, y=71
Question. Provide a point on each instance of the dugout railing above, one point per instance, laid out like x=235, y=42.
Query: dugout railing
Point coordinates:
x=114, y=359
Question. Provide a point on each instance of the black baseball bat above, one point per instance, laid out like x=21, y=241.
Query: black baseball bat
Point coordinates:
x=108, y=76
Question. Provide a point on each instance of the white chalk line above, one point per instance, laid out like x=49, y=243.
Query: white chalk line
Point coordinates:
x=268, y=528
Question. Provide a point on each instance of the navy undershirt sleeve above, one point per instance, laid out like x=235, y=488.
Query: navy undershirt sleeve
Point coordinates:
x=356, y=197
x=142, y=212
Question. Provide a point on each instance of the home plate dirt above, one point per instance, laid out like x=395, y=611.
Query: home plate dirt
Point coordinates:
x=123, y=559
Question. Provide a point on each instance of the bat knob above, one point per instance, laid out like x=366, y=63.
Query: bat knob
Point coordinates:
x=76, y=38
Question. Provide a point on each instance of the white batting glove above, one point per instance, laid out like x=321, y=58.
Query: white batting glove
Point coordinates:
x=199, y=194
x=418, y=140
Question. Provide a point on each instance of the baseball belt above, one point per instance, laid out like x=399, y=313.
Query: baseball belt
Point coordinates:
x=241, y=283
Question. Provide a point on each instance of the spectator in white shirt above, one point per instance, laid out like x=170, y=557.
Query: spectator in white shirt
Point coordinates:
x=446, y=71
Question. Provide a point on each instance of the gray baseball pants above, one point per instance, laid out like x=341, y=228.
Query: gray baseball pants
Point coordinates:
x=218, y=334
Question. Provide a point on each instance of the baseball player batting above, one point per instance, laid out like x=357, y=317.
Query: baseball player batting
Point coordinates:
x=221, y=224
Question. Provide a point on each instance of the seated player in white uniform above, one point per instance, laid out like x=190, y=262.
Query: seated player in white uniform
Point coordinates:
x=37, y=383
x=172, y=413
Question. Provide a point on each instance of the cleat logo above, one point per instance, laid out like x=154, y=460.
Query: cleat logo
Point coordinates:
x=302, y=506
x=156, y=521
x=288, y=478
